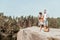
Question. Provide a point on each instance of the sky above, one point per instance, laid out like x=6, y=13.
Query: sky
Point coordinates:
x=30, y=7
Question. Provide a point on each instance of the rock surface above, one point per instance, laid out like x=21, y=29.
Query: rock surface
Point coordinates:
x=34, y=33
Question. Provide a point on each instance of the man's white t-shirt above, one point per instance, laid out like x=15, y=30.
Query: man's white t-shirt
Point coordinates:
x=45, y=16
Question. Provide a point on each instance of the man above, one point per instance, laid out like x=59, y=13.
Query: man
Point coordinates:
x=45, y=22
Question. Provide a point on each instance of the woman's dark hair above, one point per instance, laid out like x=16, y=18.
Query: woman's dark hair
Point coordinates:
x=40, y=13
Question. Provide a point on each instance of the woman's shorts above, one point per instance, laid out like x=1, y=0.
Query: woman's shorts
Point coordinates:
x=41, y=23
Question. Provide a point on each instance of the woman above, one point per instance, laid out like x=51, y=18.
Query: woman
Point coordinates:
x=41, y=20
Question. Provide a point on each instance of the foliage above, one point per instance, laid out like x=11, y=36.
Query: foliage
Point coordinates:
x=10, y=26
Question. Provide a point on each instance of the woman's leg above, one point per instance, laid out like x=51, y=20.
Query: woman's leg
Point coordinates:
x=40, y=27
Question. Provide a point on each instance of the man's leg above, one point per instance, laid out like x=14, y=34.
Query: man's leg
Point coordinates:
x=46, y=29
x=44, y=24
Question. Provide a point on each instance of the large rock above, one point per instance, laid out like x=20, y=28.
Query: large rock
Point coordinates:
x=34, y=33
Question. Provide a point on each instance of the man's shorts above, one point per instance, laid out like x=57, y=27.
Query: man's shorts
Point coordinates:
x=45, y=22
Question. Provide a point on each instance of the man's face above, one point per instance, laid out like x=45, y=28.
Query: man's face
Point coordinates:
x=44, y=11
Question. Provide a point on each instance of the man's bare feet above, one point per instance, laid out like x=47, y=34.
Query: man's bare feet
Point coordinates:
x=46, y=30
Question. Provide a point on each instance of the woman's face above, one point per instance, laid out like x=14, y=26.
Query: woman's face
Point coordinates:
x=40, y=14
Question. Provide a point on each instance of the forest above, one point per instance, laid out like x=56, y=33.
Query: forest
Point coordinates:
x=9, y=26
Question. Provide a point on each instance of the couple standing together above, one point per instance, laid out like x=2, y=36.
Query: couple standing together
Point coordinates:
x=43, y=22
